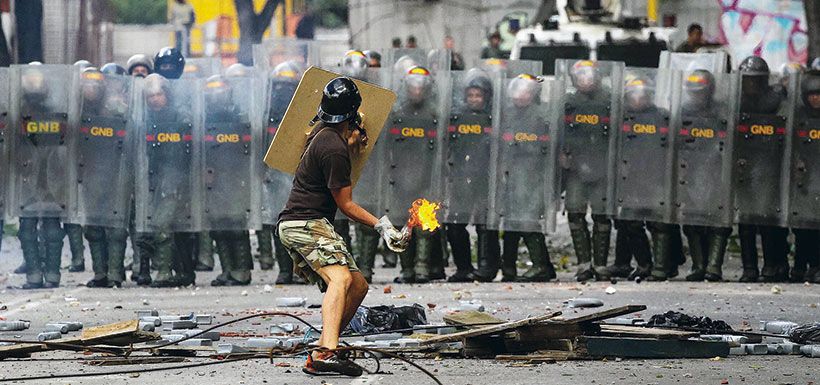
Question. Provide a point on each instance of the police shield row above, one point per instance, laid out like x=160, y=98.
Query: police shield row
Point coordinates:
x=499, y=147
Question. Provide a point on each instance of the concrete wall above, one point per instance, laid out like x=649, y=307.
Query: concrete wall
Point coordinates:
x=130, y=39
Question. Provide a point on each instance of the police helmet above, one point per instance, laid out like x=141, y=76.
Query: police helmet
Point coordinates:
x=700, y=82
x=404, y=64
x=289, y=71
x=82, y=64
x=113, y=69
x=810, y=85
x=585, y=75
x=754, y=65
x=154, y=84
x=237, y=70
x=524, y=86
x=217, y=91
x=169, y=63
x=33, y=83
x=139, y=60
x=340, y=101
x=373, y=56
x=418, y=77
x=353, y=64
x=92, y=84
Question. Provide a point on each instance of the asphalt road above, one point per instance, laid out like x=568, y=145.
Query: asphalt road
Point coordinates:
x=738, y=304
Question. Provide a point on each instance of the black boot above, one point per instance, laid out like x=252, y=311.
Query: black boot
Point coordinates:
x=694, y=236
x=509, y=256
x=601, y=234
x=748, y=252
x=581, y=243
x=542, y=269
x=459, y=240
x=660, y=249
x=718, y=239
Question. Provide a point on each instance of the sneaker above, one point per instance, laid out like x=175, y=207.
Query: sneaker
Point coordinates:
x=329, y=363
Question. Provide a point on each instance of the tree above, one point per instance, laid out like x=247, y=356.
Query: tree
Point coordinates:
x=140, y=12
x=252, y=26
x=812, y=18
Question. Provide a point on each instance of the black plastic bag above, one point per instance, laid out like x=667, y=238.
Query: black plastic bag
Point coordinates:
x=387, y=318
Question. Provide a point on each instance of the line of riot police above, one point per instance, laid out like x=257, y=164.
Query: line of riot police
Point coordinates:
x=170, y=152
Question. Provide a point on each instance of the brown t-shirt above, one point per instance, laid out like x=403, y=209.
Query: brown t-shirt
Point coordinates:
x=325, y=166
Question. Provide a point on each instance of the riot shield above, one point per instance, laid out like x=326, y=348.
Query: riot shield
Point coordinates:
x=367, y=192
x=703, y=148
x=201, y=67
x=412, y=147
x=714, y=62
x=40, y=106
x=275, y=184
x=102, y=187
x=524, y=172
x=229, y=154
x=761, y=151
x=473, y=122
x=804, y=205
x=591, y=106
x=4, y=135
x=511, y=68
x=402, y=59
x=646, y=146
x=274, y=51
x=167, y=199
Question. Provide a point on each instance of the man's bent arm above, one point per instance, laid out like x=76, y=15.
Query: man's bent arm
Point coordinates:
x=344, y=200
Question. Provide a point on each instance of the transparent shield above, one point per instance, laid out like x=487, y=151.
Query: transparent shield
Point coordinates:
x=274, y=51
x=105, y=134
x=412, y=147
x=4, y=138
x=201, y=67
x=704, y=143
x=804, y=211
x=645, y=152
x=590, y=109
x=228, y=154
x=511, y=68
x=40, y=144
x=367, y=191
x=468, y=146
x=525, y=150
x=275, y=184
x=761, y=151
x=166, y=184
x=714, y=62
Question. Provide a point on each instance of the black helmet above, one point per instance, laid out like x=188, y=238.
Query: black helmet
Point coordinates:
x=114, y=69
x=810, y=85
x=140, y=60
x=753, y=65
x=169, y=63
x=476, y=78
x=340, y=101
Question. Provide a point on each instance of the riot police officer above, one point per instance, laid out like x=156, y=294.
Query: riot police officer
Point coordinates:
x=140, y=65
x=422, y=261
x=233, y=244
x=759, y=104
x=585, y=175
x=804, y=187
x=73, y=231
x=467, y=180
x=101, y=105
x=43, y=151
x=524, y=135
x=699, y=156
x=374, y=58
x=172, y=251
x=276, y=185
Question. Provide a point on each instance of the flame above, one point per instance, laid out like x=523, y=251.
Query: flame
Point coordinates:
x=423, y=214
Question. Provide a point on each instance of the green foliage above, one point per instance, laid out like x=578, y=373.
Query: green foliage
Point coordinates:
x=330, y=13
x=140, y=11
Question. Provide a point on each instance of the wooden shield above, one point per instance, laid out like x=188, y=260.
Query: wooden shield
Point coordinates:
x=285, y=152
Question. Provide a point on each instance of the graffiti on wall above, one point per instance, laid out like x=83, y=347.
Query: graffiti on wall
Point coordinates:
x=772, y=29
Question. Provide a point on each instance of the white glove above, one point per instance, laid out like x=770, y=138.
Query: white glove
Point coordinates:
x=392, y=237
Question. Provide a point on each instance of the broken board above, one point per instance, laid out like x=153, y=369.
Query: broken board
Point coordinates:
x=652, y=348
x=470, y=318
x=492, y=329
x=285, y=152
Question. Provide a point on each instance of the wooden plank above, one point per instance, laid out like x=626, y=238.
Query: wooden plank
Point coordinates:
x=607, y=314
x=643, y=332
x=471, y=317
x=20, y=350
x=553, y=330
x=110, y=330
x=652, y=348
x=492, y=329
x=540, y=356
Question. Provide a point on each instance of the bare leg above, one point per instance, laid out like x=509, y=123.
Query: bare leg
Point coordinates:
x=345, y=291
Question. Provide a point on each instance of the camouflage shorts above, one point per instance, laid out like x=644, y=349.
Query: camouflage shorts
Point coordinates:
x=313, y=244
